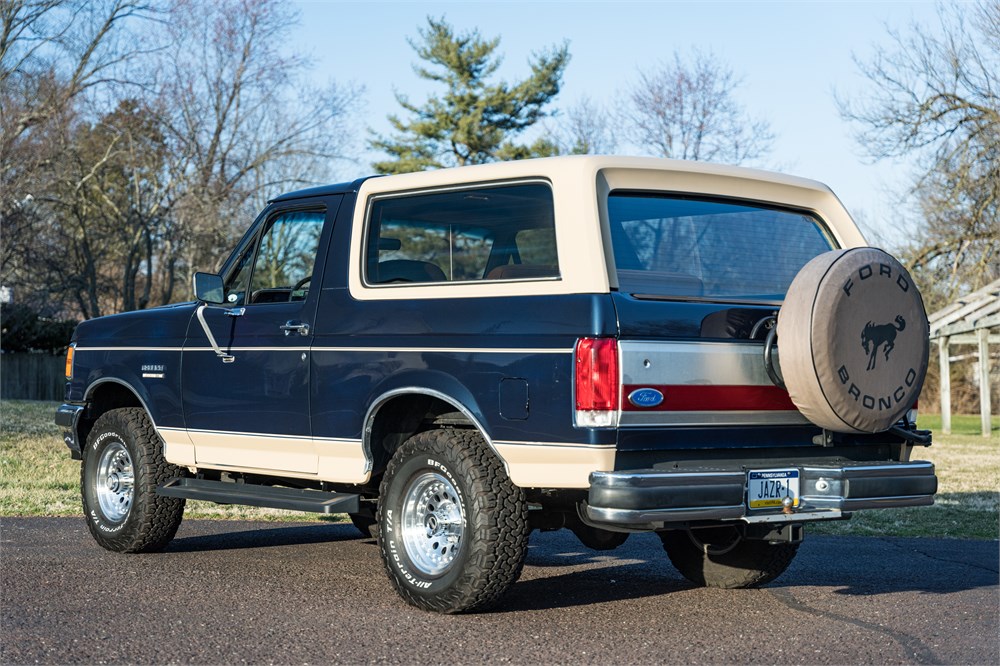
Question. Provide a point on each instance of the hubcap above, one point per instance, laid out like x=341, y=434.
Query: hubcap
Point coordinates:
x=114, y=482
x=432, y=523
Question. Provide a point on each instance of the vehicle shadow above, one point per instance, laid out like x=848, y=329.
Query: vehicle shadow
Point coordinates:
x=561, y=573
x=854, y=566
x=280, y=535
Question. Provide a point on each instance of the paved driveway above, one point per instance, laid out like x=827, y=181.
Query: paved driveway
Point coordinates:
x=232, y=592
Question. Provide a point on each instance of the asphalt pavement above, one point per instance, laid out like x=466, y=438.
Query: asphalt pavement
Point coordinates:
x=229, y=592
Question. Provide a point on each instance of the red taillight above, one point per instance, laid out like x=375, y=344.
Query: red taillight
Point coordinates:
x=597, y=382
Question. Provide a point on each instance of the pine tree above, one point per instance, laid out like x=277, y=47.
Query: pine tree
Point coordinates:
x=473, y=121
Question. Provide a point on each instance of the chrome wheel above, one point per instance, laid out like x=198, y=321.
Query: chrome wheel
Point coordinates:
x=115, y=482
x=432, y=523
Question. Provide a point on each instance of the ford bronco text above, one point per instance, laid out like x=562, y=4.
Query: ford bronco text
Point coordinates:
x=455, y=358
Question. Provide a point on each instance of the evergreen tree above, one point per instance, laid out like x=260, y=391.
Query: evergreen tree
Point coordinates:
x=473, y=121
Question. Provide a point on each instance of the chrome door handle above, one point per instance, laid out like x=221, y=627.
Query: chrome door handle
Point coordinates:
x=299, y=326
x=236, y=312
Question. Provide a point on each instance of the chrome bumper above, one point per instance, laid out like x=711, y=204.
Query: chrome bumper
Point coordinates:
x=652, y=499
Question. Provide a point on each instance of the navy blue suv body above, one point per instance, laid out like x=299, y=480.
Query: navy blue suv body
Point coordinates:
x=455, y=358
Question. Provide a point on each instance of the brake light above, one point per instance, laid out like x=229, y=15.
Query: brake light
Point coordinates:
x=70, y=353
x=597, y=383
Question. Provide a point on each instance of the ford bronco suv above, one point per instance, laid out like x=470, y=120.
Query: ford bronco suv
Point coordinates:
x=455, y=358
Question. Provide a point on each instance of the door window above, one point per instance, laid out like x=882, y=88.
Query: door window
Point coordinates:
x=279, y=268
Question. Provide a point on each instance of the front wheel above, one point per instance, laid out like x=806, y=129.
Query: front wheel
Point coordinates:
x=122, y=466
x=721, y=557
x=452, y=528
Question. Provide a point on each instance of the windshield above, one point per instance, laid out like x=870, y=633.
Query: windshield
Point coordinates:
x=673, y=245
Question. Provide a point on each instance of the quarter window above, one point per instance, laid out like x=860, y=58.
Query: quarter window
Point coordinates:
x=487, y=233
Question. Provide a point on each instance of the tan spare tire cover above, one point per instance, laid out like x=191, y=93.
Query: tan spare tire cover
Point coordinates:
x=853, y=340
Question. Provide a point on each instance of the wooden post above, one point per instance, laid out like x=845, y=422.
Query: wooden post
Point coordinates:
x=945, y=385
x=985, y=410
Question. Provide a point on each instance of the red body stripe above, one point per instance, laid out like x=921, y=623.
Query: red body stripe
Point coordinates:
x=705, y=398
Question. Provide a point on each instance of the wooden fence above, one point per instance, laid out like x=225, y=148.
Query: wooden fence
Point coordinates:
x=32, y=377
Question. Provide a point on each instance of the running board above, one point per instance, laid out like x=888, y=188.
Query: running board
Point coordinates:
x=294, y=499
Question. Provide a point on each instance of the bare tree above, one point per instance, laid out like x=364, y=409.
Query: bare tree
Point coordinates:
x=586, y=128
x=53, y=54
x=235, y=106
x=688, y=110
x=133, y=149
x=935, y=95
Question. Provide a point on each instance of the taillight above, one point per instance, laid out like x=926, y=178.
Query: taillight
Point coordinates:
x=597, y=382
x=911, y=415
x=70, y=352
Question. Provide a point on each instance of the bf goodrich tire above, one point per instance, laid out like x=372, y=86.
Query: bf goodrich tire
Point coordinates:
x=719, y=557
x=452, y=528
x=122, y=466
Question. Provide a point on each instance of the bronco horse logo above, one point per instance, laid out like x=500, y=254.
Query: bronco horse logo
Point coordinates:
x=872, y=337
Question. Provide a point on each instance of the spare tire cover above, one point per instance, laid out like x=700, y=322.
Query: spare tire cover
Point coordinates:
x=853, y=340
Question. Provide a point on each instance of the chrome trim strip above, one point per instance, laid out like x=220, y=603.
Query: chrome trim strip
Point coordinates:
x=867, y=471
x=680, y=362
x=452, y=350
x=638, y=516
x=269, y=435
x=826, y=514
x=567, y=445
x=156, y=349
x=400, y=350
x=636, y=419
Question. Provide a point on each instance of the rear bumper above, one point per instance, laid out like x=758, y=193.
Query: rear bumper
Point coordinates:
x=653, y=499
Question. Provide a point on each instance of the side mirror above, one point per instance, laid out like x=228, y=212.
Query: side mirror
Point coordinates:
x=208, y=287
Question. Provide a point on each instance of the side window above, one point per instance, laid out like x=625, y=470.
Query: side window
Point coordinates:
x=278, y=268
x=485, y=233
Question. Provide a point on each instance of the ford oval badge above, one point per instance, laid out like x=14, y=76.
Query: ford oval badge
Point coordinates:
x=645, y=397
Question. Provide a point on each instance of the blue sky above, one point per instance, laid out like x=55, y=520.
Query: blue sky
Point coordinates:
x=792, y=57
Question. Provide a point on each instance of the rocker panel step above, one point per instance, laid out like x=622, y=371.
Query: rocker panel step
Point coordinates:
x=295, y=499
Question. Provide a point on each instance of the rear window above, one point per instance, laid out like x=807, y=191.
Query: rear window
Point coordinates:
x=500, y=232
x=669, y=245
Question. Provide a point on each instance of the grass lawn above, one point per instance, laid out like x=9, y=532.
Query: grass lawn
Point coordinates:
x=38, y=478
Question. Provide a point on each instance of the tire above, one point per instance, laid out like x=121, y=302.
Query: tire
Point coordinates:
x=852, y=333
x=122, y=466
x=720, y=557
x=452, y=528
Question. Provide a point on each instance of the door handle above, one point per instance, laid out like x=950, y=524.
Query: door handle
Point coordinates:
x=301, y=327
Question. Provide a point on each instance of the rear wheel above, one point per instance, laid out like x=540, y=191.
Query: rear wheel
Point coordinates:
x=721, y=557
x=122, y=466
x=452, y=528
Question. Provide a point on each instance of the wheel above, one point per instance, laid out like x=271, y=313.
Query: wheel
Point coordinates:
x=453, y=529
x=122, y=466
x=720, y=557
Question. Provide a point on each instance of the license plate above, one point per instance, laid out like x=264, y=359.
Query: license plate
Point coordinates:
x=768, y=488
